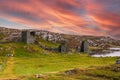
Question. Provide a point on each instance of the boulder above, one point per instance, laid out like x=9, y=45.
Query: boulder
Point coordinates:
x=70, y=72
x=63, y=48
x=40, y=76
x=118, y=61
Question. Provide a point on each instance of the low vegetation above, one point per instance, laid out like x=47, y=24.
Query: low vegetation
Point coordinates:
x=111, y=72
x=1, y=36
x=29, y=60
x=48, y=43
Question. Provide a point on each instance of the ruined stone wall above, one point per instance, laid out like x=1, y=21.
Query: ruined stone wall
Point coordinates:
x=28, y=36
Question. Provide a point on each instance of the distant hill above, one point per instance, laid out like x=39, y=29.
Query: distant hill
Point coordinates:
x=7, y=34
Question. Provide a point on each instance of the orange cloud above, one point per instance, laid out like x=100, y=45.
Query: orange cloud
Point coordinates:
x=83, y=17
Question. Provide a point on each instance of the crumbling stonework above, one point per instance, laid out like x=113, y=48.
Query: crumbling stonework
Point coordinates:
x=63, y=47
x=9, y=35
x=118, y=61
x=28, y=36
x=84, y=46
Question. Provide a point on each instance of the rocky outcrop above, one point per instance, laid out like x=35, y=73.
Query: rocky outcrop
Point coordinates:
x=72, y=40
x=118, y=61
x=9, y=34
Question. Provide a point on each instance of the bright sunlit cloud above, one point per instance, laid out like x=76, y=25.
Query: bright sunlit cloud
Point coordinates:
x=83, y=17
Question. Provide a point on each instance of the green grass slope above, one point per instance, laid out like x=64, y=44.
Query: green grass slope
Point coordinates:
x=29, y=59
x=111, y=72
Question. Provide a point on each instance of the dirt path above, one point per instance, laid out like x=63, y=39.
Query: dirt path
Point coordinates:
x=8, y=73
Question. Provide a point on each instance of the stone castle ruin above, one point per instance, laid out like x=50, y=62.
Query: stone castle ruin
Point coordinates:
x=84, y=46
x=63, y=47
x=29, y=36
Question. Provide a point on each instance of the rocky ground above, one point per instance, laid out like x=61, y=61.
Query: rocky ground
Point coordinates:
x=30, y=62
x=7, y=34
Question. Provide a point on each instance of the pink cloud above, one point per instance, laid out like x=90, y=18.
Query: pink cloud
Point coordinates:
x=84, y=17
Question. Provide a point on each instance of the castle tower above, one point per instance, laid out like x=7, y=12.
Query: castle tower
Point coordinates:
x=28, y=36
x=84, y=46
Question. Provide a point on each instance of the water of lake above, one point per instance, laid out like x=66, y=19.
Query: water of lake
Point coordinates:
x=115, y=53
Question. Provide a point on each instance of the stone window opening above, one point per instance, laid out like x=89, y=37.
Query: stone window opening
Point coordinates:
x=32, y=34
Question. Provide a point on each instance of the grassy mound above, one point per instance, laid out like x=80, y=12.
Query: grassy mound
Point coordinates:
x=48, y=43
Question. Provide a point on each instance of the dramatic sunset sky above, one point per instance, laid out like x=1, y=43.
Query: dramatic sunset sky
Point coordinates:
x=83, y=17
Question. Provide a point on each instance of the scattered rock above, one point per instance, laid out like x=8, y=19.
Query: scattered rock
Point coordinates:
x=40, y=76
x=1, y=48
x=63, y=47
x=70, y=72
x=118, y=61
x=10, y=55
x=117, y=69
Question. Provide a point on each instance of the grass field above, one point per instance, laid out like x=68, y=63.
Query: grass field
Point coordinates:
x=30, y=59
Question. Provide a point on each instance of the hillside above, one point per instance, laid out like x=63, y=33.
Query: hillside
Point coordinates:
x=20, y=61
x=29, y=60
x=7, y=34
x=72, y=40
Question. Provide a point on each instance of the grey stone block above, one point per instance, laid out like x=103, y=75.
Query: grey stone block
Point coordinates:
x=118, y=61
x=63, y=48
x=28, y=36
x=84, y=46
